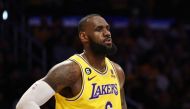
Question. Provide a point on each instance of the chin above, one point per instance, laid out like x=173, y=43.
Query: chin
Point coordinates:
x=108, y=45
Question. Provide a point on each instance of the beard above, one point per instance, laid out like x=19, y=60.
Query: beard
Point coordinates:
x=100, y=49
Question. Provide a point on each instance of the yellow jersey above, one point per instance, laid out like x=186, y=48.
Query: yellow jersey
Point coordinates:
x=100, y=90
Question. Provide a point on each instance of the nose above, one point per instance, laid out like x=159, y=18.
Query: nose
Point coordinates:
x=107, y=33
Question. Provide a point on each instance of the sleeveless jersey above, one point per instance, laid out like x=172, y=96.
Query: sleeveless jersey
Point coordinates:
x=100, y=90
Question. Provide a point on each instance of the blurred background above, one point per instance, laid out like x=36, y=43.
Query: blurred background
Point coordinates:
x=152, y=37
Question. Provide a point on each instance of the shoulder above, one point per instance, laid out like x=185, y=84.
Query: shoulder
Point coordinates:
x=120, y=73
x=66, y=65
x=63, y=75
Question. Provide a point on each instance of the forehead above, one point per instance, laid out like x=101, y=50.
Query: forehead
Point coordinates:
x=96, y=21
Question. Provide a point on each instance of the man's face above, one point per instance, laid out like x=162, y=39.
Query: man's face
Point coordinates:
x=98, y=32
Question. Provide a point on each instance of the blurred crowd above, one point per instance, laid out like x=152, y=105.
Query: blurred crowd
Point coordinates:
x=157, y=66
x=156, y=62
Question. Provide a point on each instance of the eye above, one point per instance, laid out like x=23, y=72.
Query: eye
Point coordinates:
x=99, y=28
x=108, y=28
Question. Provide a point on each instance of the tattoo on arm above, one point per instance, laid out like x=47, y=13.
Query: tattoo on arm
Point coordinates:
x=62, y=75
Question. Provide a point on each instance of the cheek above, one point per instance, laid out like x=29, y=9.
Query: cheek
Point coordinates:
x=98, y=40
x=98, y=36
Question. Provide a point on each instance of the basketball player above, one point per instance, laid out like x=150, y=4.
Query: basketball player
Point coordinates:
x=85, y=81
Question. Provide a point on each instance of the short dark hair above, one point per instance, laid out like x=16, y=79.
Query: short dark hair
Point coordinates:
x=83, y=21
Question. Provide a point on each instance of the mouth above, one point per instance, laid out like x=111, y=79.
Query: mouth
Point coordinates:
x=108, y=41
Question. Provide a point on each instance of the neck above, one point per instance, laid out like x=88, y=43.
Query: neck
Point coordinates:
x=96, y=61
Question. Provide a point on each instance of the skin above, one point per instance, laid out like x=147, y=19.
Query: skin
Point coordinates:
x=66, y=77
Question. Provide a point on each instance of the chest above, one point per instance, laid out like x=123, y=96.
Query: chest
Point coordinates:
x=91, y=84
x=95, y=84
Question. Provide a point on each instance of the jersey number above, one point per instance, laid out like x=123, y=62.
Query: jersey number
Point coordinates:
x=109, y=105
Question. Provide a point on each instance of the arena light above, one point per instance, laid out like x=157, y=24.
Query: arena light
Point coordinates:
x=5, y=15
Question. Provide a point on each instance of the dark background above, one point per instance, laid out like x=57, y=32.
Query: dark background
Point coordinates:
x=152, y=37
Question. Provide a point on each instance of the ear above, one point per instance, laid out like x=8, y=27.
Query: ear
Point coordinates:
x=83, y=37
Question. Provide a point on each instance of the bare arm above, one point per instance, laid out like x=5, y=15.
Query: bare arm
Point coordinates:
x=121, y=76
x=63, y=75
x=60, y=76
